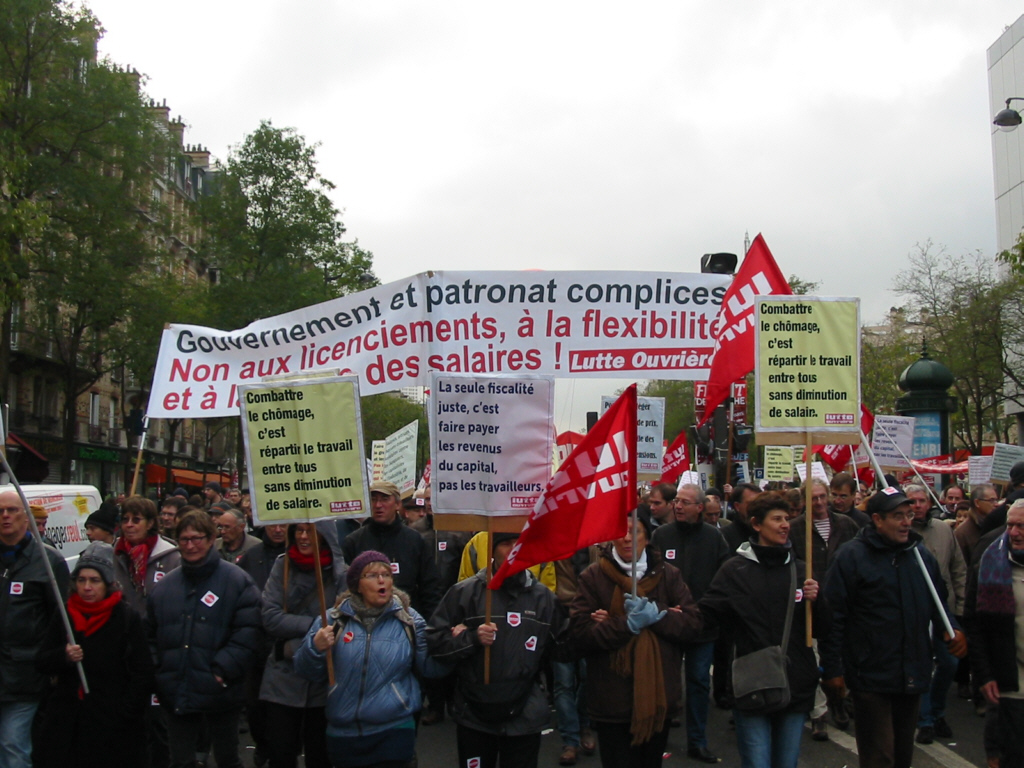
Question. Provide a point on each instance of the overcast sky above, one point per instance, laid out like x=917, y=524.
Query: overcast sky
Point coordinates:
x=595, y=135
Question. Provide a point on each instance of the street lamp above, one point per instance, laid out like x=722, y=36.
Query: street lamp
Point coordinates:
x=1008, y=119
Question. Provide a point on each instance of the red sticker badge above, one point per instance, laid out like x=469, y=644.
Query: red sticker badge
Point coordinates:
x=513, y=619
x=209, y=599
x=531, y=643
x=670, y=554
x=348, y=637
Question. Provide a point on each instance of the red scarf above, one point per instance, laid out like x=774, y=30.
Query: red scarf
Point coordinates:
x=138, y=558
x=307, y=562
x=89, y=617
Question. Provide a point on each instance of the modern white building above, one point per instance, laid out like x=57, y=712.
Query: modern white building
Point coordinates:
x=1006, y=81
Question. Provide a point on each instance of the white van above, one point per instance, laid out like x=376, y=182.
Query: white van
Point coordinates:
x=68, y=507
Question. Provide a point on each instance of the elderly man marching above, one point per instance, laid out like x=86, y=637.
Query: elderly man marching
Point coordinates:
x=27, y=603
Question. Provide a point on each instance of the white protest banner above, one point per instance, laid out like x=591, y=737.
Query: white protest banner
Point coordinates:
x=569, y=324
x=979, y=470
x=891, y=436
x=778, y=463
x=650, y=433
x=491, y=442
x=304, y=450
x=377, y=448
x=817, y=471
x=400, y=457
x=1004, y=456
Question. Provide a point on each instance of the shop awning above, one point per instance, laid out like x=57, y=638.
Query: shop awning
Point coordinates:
x=157, y=475
x=13, y=441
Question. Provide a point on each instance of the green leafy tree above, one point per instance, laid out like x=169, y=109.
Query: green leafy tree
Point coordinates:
x=970, y=316
x=387, y=413
x=77, y=148
x=273, y=233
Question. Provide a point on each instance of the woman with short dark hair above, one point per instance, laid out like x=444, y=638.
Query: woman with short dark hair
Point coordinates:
x=750, y=596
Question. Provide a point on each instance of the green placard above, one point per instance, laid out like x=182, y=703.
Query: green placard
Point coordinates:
x=778, y=463
x=304, y=448
x=808, y=364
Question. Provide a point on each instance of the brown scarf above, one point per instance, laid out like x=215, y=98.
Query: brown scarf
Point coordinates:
x=640, y=657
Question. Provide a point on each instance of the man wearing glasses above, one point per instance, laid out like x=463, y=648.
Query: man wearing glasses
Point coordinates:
x=984, y=498
x=880, y=642
x=698, y=550
x=27, y=603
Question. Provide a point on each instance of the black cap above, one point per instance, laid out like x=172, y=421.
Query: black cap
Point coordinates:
x=105, y=517
x=886, y=500
x=498, y=538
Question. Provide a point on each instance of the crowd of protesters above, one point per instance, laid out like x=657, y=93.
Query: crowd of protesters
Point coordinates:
x=185, y=622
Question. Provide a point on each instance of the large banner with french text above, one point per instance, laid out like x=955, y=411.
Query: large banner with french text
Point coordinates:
x=565, y=324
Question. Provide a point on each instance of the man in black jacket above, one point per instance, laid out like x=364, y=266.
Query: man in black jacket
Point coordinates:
x=698, y=550
x=412, y=562
x=27, y=603
x=204, y=630
x=883, y=619
x=501, y=720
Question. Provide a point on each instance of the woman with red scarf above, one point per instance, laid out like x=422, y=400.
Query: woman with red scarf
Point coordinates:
x=295, y=705
x=111, y=645
x=141, y=556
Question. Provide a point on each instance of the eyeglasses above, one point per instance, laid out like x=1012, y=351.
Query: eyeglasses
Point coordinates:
x=130, y=519
x=901, y=515
x=186, y=541
x=1011, y=526
x=989, y=501
x=10, y=510
x=378, y=576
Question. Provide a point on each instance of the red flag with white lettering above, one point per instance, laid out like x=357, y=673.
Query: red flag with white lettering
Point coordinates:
x=588, y=500
x=838, y=456
x=677, y=459
x=734, y=346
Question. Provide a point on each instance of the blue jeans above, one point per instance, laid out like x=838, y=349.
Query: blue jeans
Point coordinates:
x=769, y=741
x=570, y=709
x=697, y=665
x=16, y=733
x=933, y=703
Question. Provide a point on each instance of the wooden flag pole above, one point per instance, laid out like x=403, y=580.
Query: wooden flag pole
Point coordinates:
x=809, y=526
x=138, y=458
x=315, y=536
x=487, y=605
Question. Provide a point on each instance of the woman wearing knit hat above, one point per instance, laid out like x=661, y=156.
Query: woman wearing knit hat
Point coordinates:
x=378, y=647
x=111, y=645
x=294, y=705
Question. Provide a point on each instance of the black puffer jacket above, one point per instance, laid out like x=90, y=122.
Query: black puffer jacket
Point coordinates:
x=204, y=622
x=698, y=551
x=27, y=603
x=415, y=574
x=750, y=595
x=530, y=622
x=881, y=611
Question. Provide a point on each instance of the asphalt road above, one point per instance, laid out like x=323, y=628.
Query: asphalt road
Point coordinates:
x=436, y=745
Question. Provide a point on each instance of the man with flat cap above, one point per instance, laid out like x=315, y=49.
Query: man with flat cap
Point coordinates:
x=884, y=624
x=412, y=562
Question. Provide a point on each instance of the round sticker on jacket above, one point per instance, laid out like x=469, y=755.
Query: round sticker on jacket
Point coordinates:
x=349, y=636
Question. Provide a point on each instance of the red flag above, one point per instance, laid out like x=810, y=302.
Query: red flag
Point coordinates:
x=677, y=459
x=589, y=498
x=734, y=347
x=838, y=456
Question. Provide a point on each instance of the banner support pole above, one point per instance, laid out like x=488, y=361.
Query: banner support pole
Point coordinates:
x=315, y=535
x=488, y=601
x=808, y=541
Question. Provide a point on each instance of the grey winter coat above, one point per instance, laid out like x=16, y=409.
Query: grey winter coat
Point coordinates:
x=164, y=558
x=287, y=623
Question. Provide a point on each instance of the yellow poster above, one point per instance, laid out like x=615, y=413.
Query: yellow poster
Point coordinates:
x=778, y=463
x=807, y=364
x=304, y=448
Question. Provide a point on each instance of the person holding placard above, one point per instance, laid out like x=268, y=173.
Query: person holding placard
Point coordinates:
x=752, y=594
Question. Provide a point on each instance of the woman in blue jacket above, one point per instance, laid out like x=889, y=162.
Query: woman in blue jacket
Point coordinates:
x=379, y=647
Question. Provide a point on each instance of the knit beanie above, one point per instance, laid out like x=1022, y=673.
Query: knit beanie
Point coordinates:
x=358, y=565
x=100, y=557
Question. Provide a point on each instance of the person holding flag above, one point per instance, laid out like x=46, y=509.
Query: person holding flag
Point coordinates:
x=500, y=720
x=632, y=638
